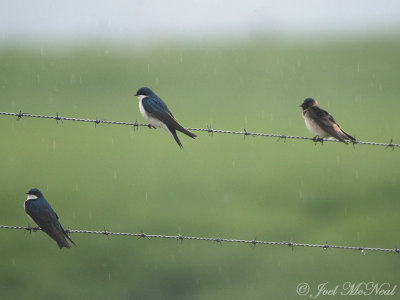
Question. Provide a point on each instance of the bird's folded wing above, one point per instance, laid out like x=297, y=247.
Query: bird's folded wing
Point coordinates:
x=325, y=121
x=159, y=110
x=45, y=220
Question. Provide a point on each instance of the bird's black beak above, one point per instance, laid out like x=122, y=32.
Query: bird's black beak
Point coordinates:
x=27, y=193
x=136, y=95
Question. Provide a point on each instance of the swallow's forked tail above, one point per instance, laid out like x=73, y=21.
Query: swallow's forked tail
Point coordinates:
x=172, y=130
x=173, y=133
x=343, y=136
x=348, y=136
x=187, y=132
x=62, y=241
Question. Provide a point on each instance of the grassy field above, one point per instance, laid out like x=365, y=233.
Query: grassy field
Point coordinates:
x=219, y=186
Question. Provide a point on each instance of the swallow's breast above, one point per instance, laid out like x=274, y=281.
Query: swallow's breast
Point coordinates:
x=151, y=120
x=314, y=128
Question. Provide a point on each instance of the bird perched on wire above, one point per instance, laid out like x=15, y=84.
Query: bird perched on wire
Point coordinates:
x=157, y=114
x=40, y=211
x=321, y=123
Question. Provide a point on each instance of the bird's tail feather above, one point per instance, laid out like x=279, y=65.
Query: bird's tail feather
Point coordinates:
x=65, y=241
x=62, y=242
x=173, y=133
x=340, y=136
x=180, y=128
x=344, y=136
x=348, y=136
x=187, y=132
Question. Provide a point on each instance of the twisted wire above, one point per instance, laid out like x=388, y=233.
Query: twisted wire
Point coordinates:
x=209, y=130
x=219, y=240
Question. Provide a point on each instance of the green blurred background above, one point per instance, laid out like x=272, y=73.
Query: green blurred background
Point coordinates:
x=217, y=186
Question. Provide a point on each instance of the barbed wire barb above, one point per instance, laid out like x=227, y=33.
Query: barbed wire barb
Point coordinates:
x=218, y=240
x=254, y=243
x=20, y=115
x=209, y=130
x=105, y=232
x=58, y=118
x=135, y=126
x=390, y=145
x=291, y=245
x=326, y=246
x=180, y=238
x=282, y=136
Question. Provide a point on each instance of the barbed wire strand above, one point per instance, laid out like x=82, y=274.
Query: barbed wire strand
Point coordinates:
x=219, y=240
x=209, y=130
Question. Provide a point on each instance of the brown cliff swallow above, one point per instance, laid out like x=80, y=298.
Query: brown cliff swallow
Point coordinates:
x=321, y=123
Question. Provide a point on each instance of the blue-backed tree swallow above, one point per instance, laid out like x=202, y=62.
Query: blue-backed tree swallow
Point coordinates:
x=321, y=123
x=40, y=211
x=157, y=114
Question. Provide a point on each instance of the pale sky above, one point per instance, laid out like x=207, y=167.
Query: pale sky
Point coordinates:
x=143, y=20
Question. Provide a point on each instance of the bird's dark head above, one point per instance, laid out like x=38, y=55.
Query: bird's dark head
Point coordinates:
x=34, y=193
x=309, y=102
x=144, y=91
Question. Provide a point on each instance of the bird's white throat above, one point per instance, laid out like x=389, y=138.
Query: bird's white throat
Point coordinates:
x=150, y=119
x=32, y=197
x=141, y=97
